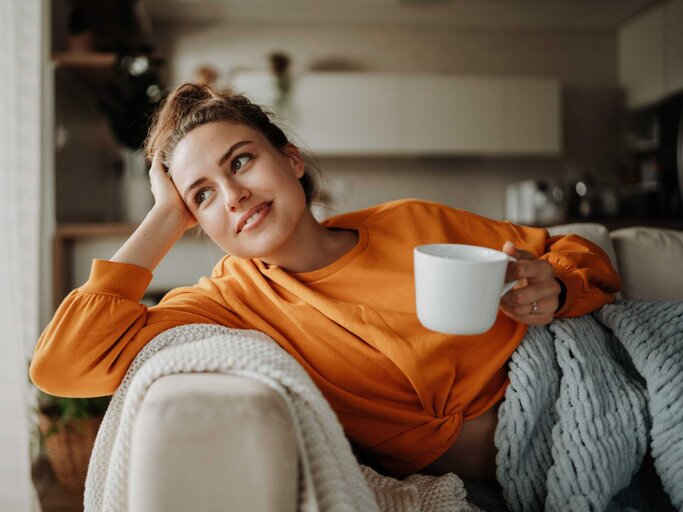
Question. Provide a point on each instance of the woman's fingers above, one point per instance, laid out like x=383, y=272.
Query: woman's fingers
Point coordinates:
x=520, y=300
x=162, y=184
x=527, y=265
x=509, y=248
x=165, y=193
x=158, y=176
x=535, y=297
x=531, y=269
x=542, y=315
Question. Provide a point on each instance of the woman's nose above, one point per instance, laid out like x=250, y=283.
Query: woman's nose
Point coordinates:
x=234, y=195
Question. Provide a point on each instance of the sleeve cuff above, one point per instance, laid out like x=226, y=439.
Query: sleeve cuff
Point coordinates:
x=573, y=285
x=124, y=280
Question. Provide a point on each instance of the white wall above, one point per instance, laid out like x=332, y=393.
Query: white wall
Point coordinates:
x=584, y=60
x=20, y=208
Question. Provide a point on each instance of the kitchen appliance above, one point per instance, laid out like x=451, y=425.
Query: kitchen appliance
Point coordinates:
x=589, y=199
x=534, y=202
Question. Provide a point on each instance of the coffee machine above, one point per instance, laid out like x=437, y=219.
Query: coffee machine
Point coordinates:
x=534, y=202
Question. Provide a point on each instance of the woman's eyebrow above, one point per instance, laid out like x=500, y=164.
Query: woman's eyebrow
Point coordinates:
x=229, y=152
x=220, y=163
x=193, y=186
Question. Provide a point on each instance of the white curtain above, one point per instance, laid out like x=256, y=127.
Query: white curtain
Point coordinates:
x=21, y=40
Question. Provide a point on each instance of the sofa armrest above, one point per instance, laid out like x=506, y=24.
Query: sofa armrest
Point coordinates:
x=211, y=441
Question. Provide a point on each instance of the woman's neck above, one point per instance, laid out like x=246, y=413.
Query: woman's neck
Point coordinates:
x=313, y=247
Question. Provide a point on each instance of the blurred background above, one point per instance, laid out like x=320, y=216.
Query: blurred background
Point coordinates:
x=536, y=112
x=539, y=112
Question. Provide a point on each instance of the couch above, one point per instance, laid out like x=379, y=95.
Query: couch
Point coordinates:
x=224, y=442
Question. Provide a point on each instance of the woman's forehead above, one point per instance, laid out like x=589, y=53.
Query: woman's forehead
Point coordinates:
x=223, y=132
x=208, y=142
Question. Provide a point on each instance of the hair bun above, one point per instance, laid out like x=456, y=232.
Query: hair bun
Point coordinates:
x=190, y=91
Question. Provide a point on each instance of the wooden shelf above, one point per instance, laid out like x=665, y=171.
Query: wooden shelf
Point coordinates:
x=74, y=230
x=95, y=60
x=92, y=60
x=94, y=70
x=93, y=229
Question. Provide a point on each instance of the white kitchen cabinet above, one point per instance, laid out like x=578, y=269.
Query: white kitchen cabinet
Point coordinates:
x=393, y=114
x=450, y=114
x=674, y=46
x=259, y=86
x=651, y=54
x=454, y=114
x=333, y=113
x=343, y=113
x=641, y=58
x=531, y=116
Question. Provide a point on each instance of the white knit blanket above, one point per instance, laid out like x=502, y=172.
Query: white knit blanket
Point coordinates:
x=589, y=400
x=330, y=477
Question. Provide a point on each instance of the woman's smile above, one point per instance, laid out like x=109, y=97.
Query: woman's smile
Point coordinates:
x=254, y=217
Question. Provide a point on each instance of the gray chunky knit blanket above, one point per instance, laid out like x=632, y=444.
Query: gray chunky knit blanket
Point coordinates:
x=330, y=476
x=593, y=402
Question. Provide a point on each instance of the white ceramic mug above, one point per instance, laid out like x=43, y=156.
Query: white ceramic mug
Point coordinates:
x=458, y=287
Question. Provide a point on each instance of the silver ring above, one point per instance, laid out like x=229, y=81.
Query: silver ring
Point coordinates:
x=534, y=308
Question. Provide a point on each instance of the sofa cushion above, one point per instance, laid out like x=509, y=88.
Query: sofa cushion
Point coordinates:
x=650, y=261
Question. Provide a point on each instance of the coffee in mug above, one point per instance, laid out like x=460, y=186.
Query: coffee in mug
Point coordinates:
x=458, y=287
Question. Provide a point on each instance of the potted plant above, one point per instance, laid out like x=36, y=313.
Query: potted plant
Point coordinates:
x=68, y=427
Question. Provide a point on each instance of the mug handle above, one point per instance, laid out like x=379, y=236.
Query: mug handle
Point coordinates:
x=508, y=286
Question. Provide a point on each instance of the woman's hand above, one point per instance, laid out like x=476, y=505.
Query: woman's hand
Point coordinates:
x=535, y=298
x=166, y=194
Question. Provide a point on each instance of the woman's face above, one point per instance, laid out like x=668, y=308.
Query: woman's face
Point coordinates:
x=225, y=172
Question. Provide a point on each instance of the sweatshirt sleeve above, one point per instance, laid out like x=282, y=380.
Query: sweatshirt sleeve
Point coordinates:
x=589, y=279
x=585, y=270
x=100, y=327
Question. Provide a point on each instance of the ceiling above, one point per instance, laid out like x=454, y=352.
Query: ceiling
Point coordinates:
x=435, y=13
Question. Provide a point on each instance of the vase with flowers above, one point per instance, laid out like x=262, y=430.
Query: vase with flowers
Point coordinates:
x=279, y=66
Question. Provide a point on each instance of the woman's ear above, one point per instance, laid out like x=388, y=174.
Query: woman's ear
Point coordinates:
x=295, y=159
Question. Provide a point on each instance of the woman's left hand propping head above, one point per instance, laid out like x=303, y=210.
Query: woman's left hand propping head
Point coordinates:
x=535, y=298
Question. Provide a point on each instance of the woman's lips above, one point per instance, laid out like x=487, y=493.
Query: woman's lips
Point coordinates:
x=261, y=211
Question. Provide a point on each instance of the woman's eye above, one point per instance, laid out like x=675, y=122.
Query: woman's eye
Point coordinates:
x=202, y=196
x=245, y=155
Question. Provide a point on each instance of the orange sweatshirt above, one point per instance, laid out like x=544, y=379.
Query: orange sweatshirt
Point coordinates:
x=400, y=391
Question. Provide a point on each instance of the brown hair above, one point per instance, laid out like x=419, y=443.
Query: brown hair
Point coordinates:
x=191, y=105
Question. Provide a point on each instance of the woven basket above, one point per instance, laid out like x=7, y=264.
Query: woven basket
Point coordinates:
x=69, y=450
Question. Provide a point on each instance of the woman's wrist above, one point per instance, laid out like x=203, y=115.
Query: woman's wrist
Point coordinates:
x=153, y=238
x=172, y=216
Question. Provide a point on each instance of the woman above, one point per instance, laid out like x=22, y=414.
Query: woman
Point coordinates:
x=338, y=295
